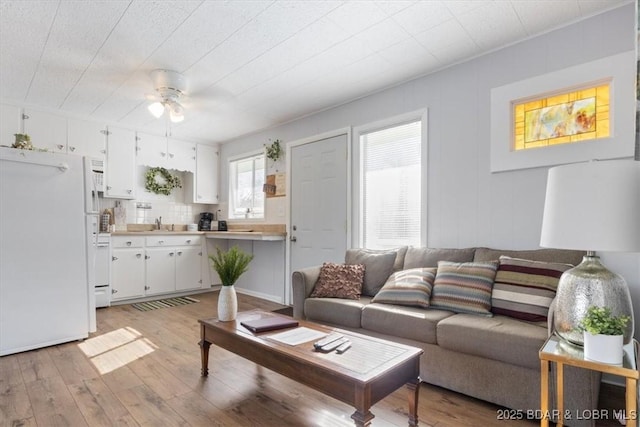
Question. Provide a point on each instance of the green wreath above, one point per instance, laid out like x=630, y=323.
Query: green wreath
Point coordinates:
x=166, y=183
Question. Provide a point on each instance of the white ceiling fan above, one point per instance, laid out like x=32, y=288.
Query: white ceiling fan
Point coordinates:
x=170, y=86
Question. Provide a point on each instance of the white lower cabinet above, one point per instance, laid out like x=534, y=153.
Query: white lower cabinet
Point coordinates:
x=127, y=268
x=161, y=270
x=188, y=268
x=155, y=265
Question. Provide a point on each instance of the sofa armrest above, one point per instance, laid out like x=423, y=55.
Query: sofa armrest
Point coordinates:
x=302, y=283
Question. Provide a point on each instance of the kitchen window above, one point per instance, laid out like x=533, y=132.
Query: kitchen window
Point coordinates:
x=390, y=185
x=246, y=178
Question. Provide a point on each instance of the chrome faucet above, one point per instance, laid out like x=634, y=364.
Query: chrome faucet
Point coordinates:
x=159, y=223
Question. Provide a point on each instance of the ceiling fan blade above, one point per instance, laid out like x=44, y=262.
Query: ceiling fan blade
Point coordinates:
x=152, y=97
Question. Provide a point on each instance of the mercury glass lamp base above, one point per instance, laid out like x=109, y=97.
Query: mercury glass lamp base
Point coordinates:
x=587, y=284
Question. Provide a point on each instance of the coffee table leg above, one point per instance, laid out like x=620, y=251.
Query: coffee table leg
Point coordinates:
x=413, y=395
x=362, y=417
x=204, y=352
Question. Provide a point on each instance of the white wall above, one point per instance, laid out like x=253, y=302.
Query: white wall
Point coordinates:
x=468, y=205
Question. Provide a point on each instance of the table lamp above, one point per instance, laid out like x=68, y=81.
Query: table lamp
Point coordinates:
x=592, y=206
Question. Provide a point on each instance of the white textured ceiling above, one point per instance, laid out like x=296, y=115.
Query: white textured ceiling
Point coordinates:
x=250, y=64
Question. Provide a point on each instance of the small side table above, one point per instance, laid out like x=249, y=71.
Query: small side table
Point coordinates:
x=562, y=353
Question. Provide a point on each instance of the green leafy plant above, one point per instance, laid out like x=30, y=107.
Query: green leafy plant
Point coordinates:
x=599, y=320
x=230, y=265
x=274, y=150
x=166, y=183
x=23, y=141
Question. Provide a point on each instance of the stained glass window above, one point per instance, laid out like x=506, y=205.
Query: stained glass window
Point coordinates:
x=562, y=118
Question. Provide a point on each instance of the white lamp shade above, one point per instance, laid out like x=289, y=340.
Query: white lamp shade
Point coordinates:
x=593, y=206
x=157, y=109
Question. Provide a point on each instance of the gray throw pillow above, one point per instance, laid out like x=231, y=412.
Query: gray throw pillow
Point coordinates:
x=378, y=266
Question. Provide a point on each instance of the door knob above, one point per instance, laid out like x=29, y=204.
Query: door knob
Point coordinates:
x=293, y=238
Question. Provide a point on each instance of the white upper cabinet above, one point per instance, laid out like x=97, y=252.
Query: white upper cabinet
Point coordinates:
x=86, y=138
x=55, y=133
x=10, y=123
x=181, y=155
x=120, y=165
x=47, y=131
x=151, y=150
x=158, y=151
x=202, y=187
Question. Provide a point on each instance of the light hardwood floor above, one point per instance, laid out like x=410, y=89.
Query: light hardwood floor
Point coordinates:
x=143, y=369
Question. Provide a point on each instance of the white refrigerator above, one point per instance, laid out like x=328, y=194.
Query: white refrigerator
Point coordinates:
x=45, y=250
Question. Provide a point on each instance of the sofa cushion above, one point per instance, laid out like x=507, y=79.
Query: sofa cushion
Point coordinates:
x=339, y=281
x=428, y=257
x=378, y=266
x=336, y=311
x=546, y=255
x=524, y=289
x=408, y=287
x=405, y=322
x=464, y=287
x=500, y=338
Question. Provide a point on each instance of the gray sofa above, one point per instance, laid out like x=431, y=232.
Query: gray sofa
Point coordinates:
x=491, y=358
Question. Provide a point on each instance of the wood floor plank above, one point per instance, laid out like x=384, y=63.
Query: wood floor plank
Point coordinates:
x=198, y=411
x=15, y=405
x=36, y=365
x=121, y=379
x=53, y=404
x=98, y=404
x=158, y=378
x=73, y=365
x=148, y=408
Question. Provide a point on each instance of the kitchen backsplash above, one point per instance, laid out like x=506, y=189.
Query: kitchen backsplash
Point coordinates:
x=149, y=206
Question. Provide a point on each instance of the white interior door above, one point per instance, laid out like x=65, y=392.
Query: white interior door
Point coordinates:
x=318, y=225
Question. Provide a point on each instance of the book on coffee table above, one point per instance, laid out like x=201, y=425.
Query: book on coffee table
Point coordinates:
x=270, y=323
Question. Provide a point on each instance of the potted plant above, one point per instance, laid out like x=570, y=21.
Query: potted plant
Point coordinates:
x=603, y=333
x=274, y=151
x=229, y=265
x=23, y=141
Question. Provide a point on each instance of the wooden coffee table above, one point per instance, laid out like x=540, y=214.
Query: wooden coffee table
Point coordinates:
x=369, y=371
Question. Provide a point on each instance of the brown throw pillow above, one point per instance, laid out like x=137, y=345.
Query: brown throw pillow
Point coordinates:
x=339, y=281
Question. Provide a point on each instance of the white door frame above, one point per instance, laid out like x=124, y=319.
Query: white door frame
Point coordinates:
x=308, y=140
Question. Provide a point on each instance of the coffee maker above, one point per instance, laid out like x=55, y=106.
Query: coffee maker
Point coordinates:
x=205, y=221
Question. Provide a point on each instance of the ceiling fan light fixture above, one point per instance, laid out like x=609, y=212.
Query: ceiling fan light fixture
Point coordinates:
x=156, y=109
x=176, y=115
x=169, y=86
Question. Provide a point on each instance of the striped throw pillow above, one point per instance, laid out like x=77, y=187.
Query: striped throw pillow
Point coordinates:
x=408, y=287
x=464, y=287
x=524, y=289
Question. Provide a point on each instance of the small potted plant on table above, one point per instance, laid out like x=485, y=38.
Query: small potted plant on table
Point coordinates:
x=230, y=266
x=603, y=333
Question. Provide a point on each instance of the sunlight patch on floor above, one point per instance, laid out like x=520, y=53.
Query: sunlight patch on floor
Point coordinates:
x=116, y=349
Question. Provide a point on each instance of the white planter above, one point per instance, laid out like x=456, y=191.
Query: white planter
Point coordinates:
x=227, y=304
x=603, y=348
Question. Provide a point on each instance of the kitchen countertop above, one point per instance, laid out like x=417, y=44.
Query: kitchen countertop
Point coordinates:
x=152, y=232
x=245, y=235
x=249, y=232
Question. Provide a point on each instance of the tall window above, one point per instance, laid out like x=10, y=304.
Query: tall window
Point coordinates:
x=246, y=177
x=391, y=186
